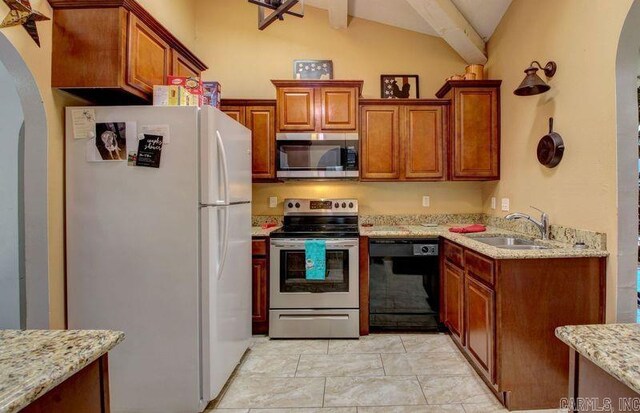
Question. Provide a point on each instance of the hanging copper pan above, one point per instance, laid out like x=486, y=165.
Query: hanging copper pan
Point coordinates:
x=550, y=148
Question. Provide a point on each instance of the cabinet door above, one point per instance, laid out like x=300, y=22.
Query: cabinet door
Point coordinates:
x=423, y=138
x=453, y=300
x=476, y=142
x=260, y=308
x=237, y=113
x=380, y=143
x=148, y=57
x=339, y=108
x=261, y=121
x=180, y=66
x=296, y=109
x=480, y=324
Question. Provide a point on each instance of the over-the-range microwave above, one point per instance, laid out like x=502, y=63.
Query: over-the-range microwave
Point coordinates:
x=317, y=155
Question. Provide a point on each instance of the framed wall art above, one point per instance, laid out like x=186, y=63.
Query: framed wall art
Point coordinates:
x=312, y=69
x=399, y=87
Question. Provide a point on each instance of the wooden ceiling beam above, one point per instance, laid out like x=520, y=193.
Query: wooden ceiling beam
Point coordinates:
x=453, y=27
x=338, y=13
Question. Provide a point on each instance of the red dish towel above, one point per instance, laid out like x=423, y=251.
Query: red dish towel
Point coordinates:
x=468, y=229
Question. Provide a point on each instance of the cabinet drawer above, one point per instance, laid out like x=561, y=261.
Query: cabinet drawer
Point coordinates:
x=259, y=247
x=479, y=266
x=453, y=253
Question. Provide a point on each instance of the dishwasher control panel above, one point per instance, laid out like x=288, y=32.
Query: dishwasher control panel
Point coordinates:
x=425, y=249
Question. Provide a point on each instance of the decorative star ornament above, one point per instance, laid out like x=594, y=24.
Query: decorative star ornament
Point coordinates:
x=21, y=13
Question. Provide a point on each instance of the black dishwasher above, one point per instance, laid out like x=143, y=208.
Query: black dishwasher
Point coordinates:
x=404, y=284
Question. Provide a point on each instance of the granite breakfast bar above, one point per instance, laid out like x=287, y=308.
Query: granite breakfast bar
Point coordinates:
x=55, y=371
x=604, y=366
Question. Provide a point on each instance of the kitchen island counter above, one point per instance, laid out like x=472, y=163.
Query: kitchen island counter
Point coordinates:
x=33, y=362
x=615, y=348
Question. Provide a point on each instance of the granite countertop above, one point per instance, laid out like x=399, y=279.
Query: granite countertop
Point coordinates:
x=615, y=348
x=33, y=362
x=263, y=232
x=558, y=250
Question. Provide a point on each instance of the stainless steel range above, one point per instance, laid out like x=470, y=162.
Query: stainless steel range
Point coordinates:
x=304, y=308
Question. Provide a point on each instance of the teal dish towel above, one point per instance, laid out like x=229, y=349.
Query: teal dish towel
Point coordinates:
x=316, y=259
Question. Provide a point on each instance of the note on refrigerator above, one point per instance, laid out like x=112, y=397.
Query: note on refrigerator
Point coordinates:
x=84, y=123
x=160, y=130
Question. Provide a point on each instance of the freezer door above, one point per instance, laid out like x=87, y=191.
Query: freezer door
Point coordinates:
x=226, y=293
x=225, y=159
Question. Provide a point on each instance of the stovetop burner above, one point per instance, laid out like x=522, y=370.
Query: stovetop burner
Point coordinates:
x=319, y=218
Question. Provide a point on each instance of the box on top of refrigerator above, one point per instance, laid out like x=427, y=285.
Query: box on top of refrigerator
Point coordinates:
x=211, y=94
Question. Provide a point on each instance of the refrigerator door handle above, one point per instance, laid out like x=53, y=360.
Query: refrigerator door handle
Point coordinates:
x=224, y=242
x=225, y=169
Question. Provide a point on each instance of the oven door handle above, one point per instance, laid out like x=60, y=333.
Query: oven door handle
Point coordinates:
x=300, y=244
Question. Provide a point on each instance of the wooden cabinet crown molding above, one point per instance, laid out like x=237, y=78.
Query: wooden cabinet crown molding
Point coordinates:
x=406, y=102
x=247, y=102
x=465, y=83
x=320, y=83
x=143, y=15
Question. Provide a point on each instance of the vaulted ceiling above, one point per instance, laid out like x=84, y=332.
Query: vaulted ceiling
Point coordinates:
x=465, y=24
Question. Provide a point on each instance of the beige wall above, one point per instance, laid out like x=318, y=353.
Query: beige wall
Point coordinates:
x=377, y=198
x=178, y=16
x=582, y=37
x=245, y=59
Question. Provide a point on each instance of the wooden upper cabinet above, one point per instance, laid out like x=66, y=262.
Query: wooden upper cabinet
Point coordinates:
x=475, y=129
x=403, y=141
x=259, y=115
x=121, y=61
x=148, y=57
x=261, y=121
x=296, y=109
x=236, y=113
x=380, y=142
x=180, y=66
x=317, y=105
x=424, y=136
x=339, y=108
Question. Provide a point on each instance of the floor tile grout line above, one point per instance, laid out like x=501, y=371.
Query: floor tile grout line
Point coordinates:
x=426, y=400
x=384, y=370
x=295, y=374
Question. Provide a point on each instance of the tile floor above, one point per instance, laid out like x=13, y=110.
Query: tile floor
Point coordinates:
x=415, y=373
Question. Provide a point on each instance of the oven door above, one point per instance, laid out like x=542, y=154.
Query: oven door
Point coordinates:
x=291, y=289
x=299, y=156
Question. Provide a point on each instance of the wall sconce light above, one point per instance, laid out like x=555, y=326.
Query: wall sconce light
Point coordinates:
x=532, y=84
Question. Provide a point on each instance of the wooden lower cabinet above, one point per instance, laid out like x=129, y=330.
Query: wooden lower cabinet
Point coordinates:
x=260, y=286
x=480, y=326
x=260, y=117
x=87, y=391
x=453, y=305
x=511, y=308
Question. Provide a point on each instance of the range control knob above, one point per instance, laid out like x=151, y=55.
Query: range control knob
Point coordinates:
x=425, y=249
x=350, y=204
x=344, y=205
x=297, y=204
x=290, y=205
x=336, y=205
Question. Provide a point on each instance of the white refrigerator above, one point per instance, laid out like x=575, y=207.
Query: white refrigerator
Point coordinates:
x=163, y=254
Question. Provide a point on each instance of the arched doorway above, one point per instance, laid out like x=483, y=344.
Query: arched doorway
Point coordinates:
x=627, y=71
x=24, y=251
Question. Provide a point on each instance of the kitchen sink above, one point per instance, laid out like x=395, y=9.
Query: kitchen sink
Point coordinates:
x=511, y=243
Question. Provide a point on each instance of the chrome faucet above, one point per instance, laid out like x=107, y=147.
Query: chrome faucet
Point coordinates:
x=543, y=224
